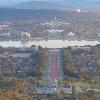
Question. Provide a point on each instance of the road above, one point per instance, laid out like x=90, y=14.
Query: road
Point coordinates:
x=54, y=74
x=54, y=69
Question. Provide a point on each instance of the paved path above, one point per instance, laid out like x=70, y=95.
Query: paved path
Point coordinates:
x=54, y=69
x=54, y=74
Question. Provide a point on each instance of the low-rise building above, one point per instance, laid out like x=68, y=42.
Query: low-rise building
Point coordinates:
x=55, y=34
x=71, y=34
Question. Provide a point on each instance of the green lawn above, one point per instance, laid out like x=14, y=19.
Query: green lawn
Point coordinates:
x=95, y=86
x=87, y=85
x=81, y=84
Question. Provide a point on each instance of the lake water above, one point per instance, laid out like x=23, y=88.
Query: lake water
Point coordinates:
x=49, y=43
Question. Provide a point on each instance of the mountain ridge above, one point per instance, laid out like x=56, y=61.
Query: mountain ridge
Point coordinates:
x=57, y=4
x=38, y=5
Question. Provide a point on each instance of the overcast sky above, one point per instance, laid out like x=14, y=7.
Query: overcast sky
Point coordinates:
x=12, y=2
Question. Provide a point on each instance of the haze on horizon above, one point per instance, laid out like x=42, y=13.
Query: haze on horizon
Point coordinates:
x=14, y=2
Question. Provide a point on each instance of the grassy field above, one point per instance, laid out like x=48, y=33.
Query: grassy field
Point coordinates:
x=81, y=84
x=87, y=85
x=95, y=86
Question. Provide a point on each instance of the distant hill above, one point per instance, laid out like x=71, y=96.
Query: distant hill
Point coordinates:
x=58, y=4
x=10, y=14
x=38, y=5
x=21, y=14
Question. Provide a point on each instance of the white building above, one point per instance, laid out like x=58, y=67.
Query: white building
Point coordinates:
x=78, y=89
x=25, y=34
x=78, y=10
x=5, y=34
x=71, y=34
x=55, y=33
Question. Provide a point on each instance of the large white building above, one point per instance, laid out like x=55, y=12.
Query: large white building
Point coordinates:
x=71, y=34
x=55, y=34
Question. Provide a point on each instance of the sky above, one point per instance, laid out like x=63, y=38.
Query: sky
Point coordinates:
x=13, y=2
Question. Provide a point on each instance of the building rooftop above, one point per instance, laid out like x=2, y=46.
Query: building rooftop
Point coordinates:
x=55, y=31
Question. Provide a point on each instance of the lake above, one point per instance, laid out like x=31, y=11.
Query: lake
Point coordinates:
x=49, y=43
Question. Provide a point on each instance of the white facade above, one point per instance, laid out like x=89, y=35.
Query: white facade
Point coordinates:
x=71, y=34
x=78, y=10
x=25, y=34
x=55, y=31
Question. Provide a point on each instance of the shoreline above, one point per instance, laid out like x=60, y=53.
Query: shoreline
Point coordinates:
x=48, y=43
